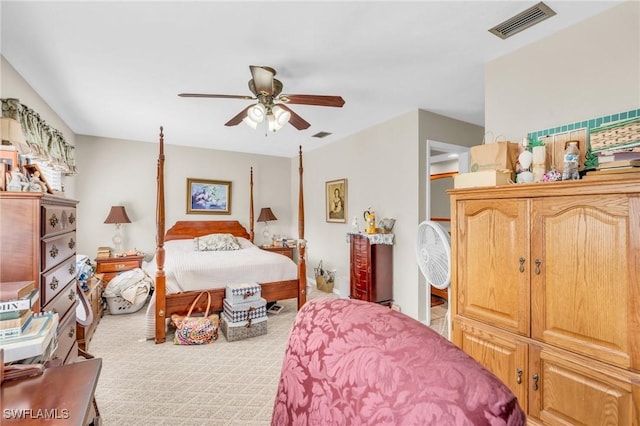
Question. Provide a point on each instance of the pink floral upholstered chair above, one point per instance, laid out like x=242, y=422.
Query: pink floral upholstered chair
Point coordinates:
x=350, y=362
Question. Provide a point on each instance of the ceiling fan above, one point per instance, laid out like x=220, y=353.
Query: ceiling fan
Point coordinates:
x=271, y=103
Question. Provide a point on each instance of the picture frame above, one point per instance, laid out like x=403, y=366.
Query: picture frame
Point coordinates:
x=205, y=196
x=30, y=170
x=336, y=201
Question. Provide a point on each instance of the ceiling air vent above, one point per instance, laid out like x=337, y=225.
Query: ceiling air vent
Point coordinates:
x=523, y=20
x=321, y=135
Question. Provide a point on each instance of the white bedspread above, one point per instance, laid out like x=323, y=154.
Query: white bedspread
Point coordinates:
x=189, y=270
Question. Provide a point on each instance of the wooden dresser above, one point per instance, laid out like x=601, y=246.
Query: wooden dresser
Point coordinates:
x=371, y=268
x=546, y=295
x=38, y=242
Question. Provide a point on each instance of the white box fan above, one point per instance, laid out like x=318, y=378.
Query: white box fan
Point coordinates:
x=433, y=252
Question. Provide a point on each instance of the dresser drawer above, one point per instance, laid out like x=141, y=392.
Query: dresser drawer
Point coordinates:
x=58, y=219
x=56, y=280
x=63, y=301
x=118, y=265
x=56, y=249
x=66, y=335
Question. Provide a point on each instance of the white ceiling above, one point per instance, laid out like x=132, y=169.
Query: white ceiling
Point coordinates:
x=114, y=69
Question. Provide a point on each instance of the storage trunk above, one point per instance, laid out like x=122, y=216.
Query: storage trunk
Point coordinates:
x=245, y=310
x=239, y=293
x=242, y=330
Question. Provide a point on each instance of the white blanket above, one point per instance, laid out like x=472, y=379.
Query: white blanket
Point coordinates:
x=189, y=270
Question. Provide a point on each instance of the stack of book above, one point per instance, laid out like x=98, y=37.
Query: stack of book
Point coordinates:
x=614, y=162
x=104, y=252
x=16, y=301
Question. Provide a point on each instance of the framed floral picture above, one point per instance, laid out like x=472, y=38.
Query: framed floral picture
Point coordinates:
x=208, y=196
x=336, y=200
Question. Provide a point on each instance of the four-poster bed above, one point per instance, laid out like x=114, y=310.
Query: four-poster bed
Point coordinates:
x=167, y=303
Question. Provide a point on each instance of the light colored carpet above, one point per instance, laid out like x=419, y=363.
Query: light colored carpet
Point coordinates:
x=225, y=383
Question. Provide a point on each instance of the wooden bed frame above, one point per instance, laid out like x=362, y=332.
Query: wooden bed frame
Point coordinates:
x=168, y=304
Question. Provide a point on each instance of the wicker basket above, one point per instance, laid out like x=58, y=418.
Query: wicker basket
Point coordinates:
x=618, y=135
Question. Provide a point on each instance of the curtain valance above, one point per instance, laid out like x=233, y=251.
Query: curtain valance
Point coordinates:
x=47, y=144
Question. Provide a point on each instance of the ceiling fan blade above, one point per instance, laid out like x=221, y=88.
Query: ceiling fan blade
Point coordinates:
x=207, y=95
x=263, y=79
x=238, y=118
x=318, y=100
x=295, y=120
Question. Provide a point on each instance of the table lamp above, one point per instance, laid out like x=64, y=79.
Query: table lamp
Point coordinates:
x=118, y=216
x=265, y=216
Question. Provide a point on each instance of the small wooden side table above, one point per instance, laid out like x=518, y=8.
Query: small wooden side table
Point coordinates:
x=286, y=251
x=65, y=394
x=112, y=266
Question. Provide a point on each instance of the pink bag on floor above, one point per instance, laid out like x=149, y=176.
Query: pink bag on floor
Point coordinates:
x=199, y=330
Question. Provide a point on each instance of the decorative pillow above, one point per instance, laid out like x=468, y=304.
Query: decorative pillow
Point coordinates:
x=216, y=242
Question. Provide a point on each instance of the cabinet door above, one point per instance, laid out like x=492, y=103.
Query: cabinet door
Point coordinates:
x=585, y=288
x=574, y=391
x=493, y=262
x=501, y=353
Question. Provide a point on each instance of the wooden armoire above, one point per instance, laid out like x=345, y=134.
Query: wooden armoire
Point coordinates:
x=546, y=295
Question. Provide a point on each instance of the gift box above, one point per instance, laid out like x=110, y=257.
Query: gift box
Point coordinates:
x=243, y=329
x=245, y=310
x=239, y=293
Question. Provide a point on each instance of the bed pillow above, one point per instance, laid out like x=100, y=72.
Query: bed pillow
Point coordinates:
x=216, y=242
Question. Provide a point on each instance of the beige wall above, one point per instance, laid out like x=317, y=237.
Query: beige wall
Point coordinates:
x=385, y=170
x=118, y=172
x=588, y=70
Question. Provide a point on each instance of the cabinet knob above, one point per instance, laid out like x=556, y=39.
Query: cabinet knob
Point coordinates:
x=519, y=375
x=538, y=263
x=535, y=382
x=522, y=260
x=120, y=266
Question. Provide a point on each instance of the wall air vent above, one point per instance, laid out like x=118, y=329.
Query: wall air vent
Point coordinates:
x=321, y=135
x=523, y=20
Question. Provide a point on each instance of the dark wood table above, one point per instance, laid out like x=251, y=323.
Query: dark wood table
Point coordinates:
x=59, y=396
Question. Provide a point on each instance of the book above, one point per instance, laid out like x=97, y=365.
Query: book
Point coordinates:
x=20, y=322
x=620, y=163
x=26, y=302
x=20, y=326
x=618, y=156
x=275, y=309
x=12, y=314
x=15, y=289
x=35, y=339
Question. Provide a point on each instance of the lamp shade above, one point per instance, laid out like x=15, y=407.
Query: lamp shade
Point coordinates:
x=266, y=214
x=11, y=131
x=117, y=215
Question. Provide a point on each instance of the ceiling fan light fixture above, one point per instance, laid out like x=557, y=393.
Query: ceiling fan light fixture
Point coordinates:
x=281, y=115
x=249, y=122
x=257, y=113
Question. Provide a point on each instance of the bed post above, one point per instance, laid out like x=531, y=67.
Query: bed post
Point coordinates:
x=160, y=289
x=251, y=234
x=302, y=244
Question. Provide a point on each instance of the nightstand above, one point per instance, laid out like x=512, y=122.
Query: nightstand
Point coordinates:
x=112, y=266
x=286, y=251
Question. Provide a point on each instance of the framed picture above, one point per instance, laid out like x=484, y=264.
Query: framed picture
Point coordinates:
x=10, y=158
x=336, y=200
x=35, y=176
x=208, y=196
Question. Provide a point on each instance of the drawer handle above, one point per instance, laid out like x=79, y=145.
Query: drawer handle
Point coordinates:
x=72, y=295
x=538, y=262
x=72, y=268
x=522, y=259
x=53, y=220
x=72, y=331
x=72, y=243
x=54, y=283
x=72, y=218
x=519, y=375
x=120, y=266
x=535, y=382
x=54, y=251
